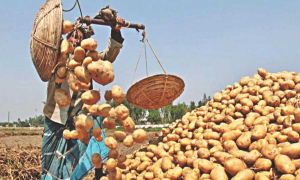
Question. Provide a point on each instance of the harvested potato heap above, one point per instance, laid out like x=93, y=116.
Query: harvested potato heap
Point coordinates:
x=248, y=131
x=78, y=66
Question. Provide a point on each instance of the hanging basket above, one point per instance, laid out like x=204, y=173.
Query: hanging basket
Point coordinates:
x=155, y=91
x=46, y=37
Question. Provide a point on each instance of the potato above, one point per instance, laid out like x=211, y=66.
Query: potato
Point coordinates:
x=166, y=163
x=111, y=164
x=109, y=123
x=97, y=132
x=108, y=95
x=93, y=110
x=284, y=164
x=251, y=157
x=287, y=110
x=66, y=47
x=74, y=134
x=67, y=27
x=128, y=124
x=181, y=159
x=87, y=61
x=292, y=150
x=218, y=173
x=102, y=72
x=79, y=54
x=90, y=97
x=66, y=134
x=231, y=135
x=158, y=173
x=296, y=127
x=270, y=151
x=103, y=110
x=293, y=136
x=94, y=55
x=113, y=154
x=139, y=135
x=83, y=122
x=297, y=115
x=117, y=94
x=73, y=82
x=82, y=74
x=111, y=143
x=287, y=177
x=234, y=165
x=122, y=112
x=262, y=164
x=203, y=153
x=62, y=98
x=245, y=174
x=205, y=165
x=128, y=141
x=97, y=160
x=89, y=44
x=244, y=140
x=259, y=132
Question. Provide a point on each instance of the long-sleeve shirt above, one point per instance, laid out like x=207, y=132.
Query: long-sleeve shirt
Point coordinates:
x=60, y=114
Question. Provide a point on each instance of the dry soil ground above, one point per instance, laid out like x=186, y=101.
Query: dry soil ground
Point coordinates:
x=20, y=156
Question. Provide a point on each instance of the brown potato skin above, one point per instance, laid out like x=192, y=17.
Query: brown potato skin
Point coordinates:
x=218, y=173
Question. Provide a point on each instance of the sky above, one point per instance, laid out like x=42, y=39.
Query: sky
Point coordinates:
x=209, y=44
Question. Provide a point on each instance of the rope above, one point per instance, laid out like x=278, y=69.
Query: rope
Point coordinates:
x=79, y=8
x=137, y=63
x=76, y=2
x=155, y=55
x=146, y=61
x=68, y=10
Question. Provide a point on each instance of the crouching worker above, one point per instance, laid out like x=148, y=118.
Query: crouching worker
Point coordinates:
x=72, y=158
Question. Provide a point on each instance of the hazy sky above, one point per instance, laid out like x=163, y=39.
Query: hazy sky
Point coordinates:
x=210, y=44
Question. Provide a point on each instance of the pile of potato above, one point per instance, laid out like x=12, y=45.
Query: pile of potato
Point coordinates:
x=78, y=66
x=248, y=131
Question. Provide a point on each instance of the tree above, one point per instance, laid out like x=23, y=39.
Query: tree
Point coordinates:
x=192, y=105
x=154, y=116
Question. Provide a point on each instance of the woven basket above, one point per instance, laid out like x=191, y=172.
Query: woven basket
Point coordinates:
x=155, y=91
x=46, y=37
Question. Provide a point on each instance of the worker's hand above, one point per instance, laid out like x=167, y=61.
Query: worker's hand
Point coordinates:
x=119, y=24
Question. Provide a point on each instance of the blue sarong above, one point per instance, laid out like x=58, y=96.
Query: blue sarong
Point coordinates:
x=69, y=159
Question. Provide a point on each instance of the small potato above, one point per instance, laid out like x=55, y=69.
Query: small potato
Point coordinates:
x=218, y=173
x=234, y=165
x=231, y=135
x=111, y=164
x=113, y=154
x=270, y=151
x=259, y=132
x=203, y=153
x=293, y=136
x=94, y=55
x=128, y=141
x=67, y=27
x=139, y=135
x=108, y=95
x=284, y=164
x=66, y=47
x=287, y=177
x=66, y=134
x=83, y=122
x=79, y=54
x=251, y=157
x=90, y=97
x=89, y=44
x=97, y=160
x=120, y=135
x=97, y=132
x=166, y=163
x=117, y=94
x=244, y=140
x=292, y=150
x=262, y=164
x=109, y=122
x=82, y=74
x=111, y=143
x=122, y=112
x=87, y=61
x=128, y=124
x=103, y=110
x=245, y=174
x=205, y=165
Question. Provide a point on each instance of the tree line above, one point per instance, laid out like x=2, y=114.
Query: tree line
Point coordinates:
x=163, y=115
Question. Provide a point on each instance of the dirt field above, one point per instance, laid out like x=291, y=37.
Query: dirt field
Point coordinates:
x=20, y=156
